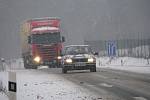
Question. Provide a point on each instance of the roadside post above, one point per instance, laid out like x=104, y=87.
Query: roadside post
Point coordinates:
x=12, y=86
x=3, y=65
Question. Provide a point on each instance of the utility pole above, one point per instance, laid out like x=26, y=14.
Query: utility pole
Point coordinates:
x=141, y=45
x=149, y=48
x=138, y=46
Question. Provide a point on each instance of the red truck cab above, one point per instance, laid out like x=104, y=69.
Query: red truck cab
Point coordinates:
x=44, y=43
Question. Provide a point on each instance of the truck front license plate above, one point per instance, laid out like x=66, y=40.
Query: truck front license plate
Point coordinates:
x=80, y=64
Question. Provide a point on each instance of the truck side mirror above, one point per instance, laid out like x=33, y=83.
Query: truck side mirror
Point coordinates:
x=63, y=39
x=29, y=39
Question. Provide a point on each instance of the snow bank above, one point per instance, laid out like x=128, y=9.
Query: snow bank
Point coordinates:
x=3, y=85
x=123, y=61
x=139, y=65
x=14, y=64
x=4, y=80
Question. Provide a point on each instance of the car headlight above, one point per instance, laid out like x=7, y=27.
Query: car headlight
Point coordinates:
x=91, y=60
x=37, y=59
x=69, y=60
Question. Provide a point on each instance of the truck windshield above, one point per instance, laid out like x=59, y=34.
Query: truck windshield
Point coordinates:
x=45, y=38
x=73, y=50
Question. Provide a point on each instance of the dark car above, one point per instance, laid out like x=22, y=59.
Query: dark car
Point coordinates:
x=78, y=57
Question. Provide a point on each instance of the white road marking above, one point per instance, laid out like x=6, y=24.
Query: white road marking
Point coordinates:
x=139, y=98
x=106, y=85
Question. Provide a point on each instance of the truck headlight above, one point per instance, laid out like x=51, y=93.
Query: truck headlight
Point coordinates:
x=69, y=60
x=37, y=59
x=59, y=57
x=90, y=60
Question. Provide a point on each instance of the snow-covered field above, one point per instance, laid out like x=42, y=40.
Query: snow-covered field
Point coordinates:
x=139, y=65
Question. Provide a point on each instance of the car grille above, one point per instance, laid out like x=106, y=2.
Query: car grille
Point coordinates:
x=80, y=60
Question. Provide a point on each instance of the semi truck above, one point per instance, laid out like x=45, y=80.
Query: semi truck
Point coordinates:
x=41, y=42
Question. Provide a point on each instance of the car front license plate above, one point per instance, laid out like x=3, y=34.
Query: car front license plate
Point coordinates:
x=80, y=64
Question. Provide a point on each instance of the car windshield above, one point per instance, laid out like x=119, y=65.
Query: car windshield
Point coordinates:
x=45, y=38
x=73, y=50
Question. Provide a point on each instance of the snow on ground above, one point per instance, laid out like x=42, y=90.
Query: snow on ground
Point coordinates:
x=3, y=85
x=3, y=96
x=40, y=85
x=3, y=79
x=139, y=65
x=8, y=65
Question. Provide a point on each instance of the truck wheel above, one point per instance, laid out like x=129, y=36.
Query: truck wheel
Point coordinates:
x=26, y=65
x=64, y=70
x=34, y=67
x=93, y=69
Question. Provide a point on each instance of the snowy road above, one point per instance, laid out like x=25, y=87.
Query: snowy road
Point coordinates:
x=112, y=83
x=50, y=84
x=105, y=84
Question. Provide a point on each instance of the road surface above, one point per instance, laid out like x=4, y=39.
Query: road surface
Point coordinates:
x=109, y=84
x=120, y=84
x=105, y=84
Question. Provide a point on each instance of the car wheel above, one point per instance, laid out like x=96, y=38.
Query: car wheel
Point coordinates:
x=93, y=69
x=64, y=70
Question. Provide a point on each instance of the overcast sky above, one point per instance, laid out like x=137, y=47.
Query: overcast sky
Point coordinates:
x=81, y=19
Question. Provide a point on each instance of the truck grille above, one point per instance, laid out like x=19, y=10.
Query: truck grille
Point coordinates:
x=47, y=52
